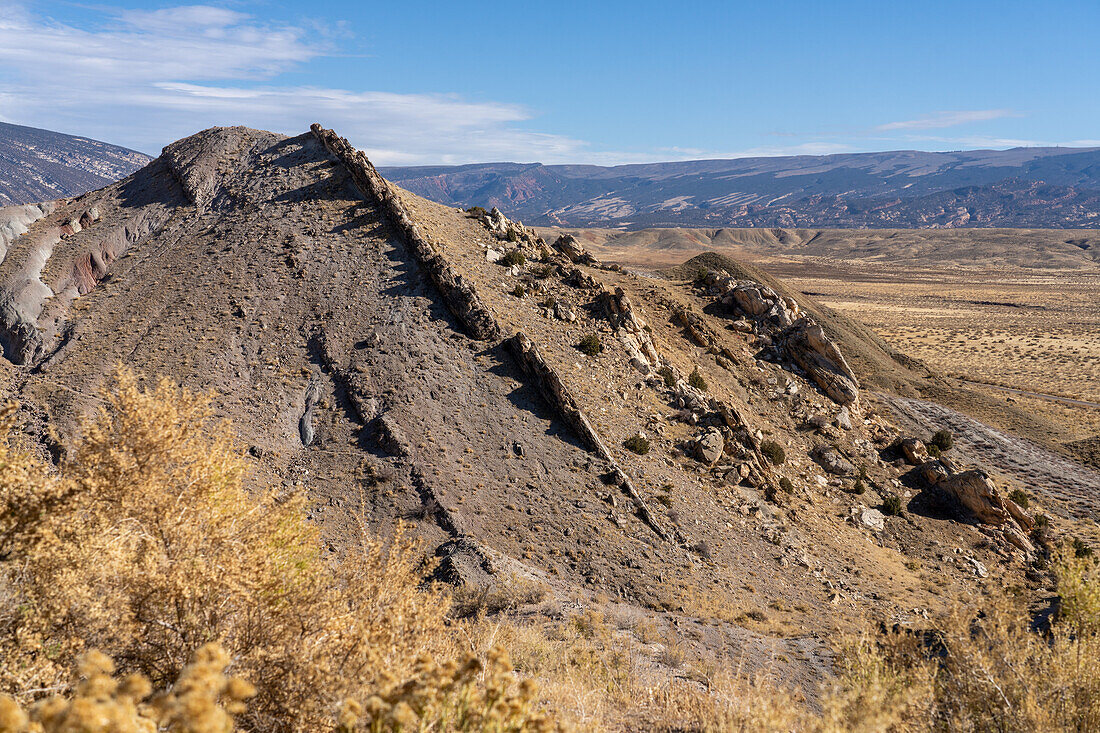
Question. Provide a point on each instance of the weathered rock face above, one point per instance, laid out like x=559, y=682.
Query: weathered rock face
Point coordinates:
x=976, y=491
x=710, y=446
x=631, y=329
x=568, y=245
x=512, y=231
x=797, y=336
x=807, y=345
x=915, y=452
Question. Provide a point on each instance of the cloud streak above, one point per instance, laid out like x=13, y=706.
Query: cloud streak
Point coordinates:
x=941, y=120
x=145, y=78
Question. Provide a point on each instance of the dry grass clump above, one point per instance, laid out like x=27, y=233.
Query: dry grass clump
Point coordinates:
x=992, y=671
x=202, y=700
x=146, y=547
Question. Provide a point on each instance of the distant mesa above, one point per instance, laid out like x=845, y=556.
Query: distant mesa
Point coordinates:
x=1049, y=188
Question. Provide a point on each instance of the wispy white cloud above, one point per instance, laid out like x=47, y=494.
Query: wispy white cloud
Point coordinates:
x=145, y=78
x=940, y=120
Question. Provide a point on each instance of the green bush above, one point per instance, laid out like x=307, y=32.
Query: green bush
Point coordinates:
x=1020, y=497
x=668, y=375
x=637, y=444
x=773, y=451
x=858, y=487
x=512, y=258
x=696, y=380
x=519, y=291
x=892, y=505
x=786, y=485
x=477, y=212
x=942, y=440
x=589, y=345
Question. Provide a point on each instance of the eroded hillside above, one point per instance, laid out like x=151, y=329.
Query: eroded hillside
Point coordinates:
x=703, y=453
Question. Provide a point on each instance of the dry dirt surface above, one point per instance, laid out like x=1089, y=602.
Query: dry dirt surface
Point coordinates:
x=263, y=268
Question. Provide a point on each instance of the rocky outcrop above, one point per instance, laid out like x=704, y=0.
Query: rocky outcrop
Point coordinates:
x=915, y=451
x=631, y=329
x=806, y=344
x=975, y=491
x=512, y=231
x=14, y=221
x=555, y=392
x=568, y=245
x=458, y=293
x=795, y=335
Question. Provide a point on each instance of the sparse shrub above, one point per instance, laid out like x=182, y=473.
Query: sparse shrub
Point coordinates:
x=519, y=291
x=786, y=485
x=512, y=236
x=773, y=451
x=544, y=254
x=933, y=450
x=512, y=258
x=476, y=212
x=668, y=375
x=468, y=601
x=589, y=345
x=1081, y=549
x=942, y=439
x=702, y=549
x=695, y=379
x=664, y=500
x=542, y=271
x=637, y=444
x=858, y=487
x=891, y=505
x=1020, y=497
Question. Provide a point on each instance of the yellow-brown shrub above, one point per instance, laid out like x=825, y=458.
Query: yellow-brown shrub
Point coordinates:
x=147, y=547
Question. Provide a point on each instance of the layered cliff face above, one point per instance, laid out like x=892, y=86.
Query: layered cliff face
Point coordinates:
x=36, y=165
x=534, y=413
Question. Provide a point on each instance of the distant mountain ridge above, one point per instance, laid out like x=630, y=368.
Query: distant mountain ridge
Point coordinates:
x=1020, y=187
x=40, y=165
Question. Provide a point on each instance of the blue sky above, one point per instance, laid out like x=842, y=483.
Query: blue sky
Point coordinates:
x=593, y=82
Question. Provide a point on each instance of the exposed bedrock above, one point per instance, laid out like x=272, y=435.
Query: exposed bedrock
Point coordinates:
x=795, y=335
x=14, y=221
x=457, y=292
x=555, y=392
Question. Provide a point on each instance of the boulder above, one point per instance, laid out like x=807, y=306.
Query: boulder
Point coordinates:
x=709, y=447
x=975, y=490
x=933, y=472
x=568, y=245
x=843, y=419
x=830, y=459
x=873, y=519
x=914, y=451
